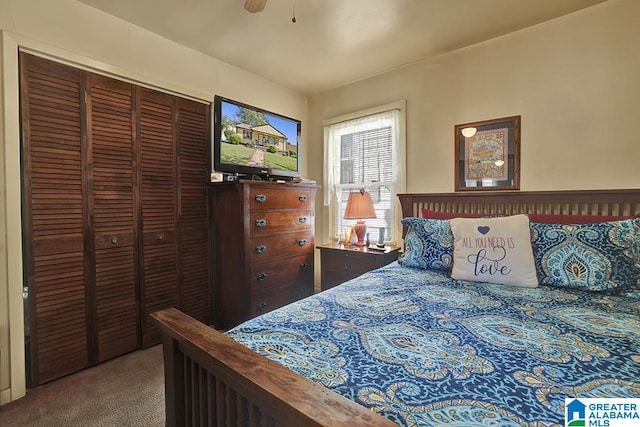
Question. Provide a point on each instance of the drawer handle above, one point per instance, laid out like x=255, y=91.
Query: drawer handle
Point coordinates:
x=261, y=222
x=302, y=242
x=262, y=276
x=261, y=198
x=262, y=306
x=303, y=265
x=114, y=239
x=347, y=266
x=261, y=249
x=302, y=219
x=303, y=198
x=160, y=236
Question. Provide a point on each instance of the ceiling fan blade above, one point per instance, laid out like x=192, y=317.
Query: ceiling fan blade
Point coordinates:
x=254, y=6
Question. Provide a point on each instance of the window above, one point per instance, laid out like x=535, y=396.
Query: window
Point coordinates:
x=366, y=150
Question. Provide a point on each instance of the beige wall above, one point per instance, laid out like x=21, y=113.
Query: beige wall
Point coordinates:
x=574, y=80
x=86, y=37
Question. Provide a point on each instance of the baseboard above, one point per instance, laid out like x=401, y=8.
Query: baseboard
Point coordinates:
x=5, y=396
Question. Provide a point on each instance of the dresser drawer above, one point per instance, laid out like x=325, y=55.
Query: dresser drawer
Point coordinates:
x=279, y=198
x=280, y=245
x=335, y=278
x=347, y=263
x=339, y=263
x=263, y=223
x=264, y=275
x=280, y=295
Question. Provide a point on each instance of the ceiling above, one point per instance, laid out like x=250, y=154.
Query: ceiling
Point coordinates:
x=332, y=42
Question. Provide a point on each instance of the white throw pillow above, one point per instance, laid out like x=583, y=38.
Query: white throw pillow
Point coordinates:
x=494, y=250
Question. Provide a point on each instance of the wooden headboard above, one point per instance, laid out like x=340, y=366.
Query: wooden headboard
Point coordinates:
x=563, y=202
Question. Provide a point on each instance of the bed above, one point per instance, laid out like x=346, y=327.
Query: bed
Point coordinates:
x=414, y=347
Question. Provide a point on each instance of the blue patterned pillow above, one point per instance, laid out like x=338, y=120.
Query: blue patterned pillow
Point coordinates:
x=595, y=257
x=428, y=244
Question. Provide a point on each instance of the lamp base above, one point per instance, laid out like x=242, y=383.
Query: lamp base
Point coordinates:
x=361, y=230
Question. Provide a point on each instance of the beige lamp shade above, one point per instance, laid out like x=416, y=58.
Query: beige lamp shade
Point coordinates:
x=359, y=206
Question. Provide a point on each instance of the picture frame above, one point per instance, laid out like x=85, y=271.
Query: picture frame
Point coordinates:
x=489, y=157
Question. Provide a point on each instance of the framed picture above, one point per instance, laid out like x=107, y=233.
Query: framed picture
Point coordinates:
x=487, y=155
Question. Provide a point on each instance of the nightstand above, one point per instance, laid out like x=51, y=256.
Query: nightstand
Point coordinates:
x=339, y=263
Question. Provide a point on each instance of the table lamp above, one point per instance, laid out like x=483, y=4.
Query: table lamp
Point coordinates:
x=360, y=207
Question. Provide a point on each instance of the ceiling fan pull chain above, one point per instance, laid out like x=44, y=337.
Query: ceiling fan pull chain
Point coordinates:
x=293, y=18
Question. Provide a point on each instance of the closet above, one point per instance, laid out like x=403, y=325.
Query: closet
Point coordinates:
x=114, y=214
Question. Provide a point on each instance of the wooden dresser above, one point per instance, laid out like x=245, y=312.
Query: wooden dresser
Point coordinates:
x=262, y=246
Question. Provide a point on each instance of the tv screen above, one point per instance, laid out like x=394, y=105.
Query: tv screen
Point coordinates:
x=250, y=140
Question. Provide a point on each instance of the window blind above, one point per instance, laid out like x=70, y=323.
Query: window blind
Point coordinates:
x=363, y=153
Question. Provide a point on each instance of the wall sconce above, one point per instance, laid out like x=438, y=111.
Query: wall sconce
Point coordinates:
x=469, y=132
x=360, y=207
x=499, y=162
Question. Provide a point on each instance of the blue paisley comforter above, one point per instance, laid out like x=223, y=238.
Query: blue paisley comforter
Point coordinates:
x=425, y=350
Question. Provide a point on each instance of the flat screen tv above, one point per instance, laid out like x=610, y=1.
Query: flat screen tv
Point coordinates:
x=251, y=141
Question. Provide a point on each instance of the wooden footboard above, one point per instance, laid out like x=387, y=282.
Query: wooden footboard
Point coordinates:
x=211, y=380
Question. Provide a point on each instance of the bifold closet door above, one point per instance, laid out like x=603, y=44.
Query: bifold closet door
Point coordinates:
x=112, y=209
x=114, y=213
x=158, y=199
x=193, y=165
x=54, y=217
x=173, y=168
x=79, y=216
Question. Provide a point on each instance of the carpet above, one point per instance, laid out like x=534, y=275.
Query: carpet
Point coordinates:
x=126, y=391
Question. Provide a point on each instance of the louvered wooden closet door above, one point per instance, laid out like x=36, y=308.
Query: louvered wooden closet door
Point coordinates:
x=111, y=132
x=157, y=171
x=193, y=159
x=54, y=226
x=115, y=214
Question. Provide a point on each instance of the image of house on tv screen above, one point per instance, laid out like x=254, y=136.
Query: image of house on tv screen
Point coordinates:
x=251, y=137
